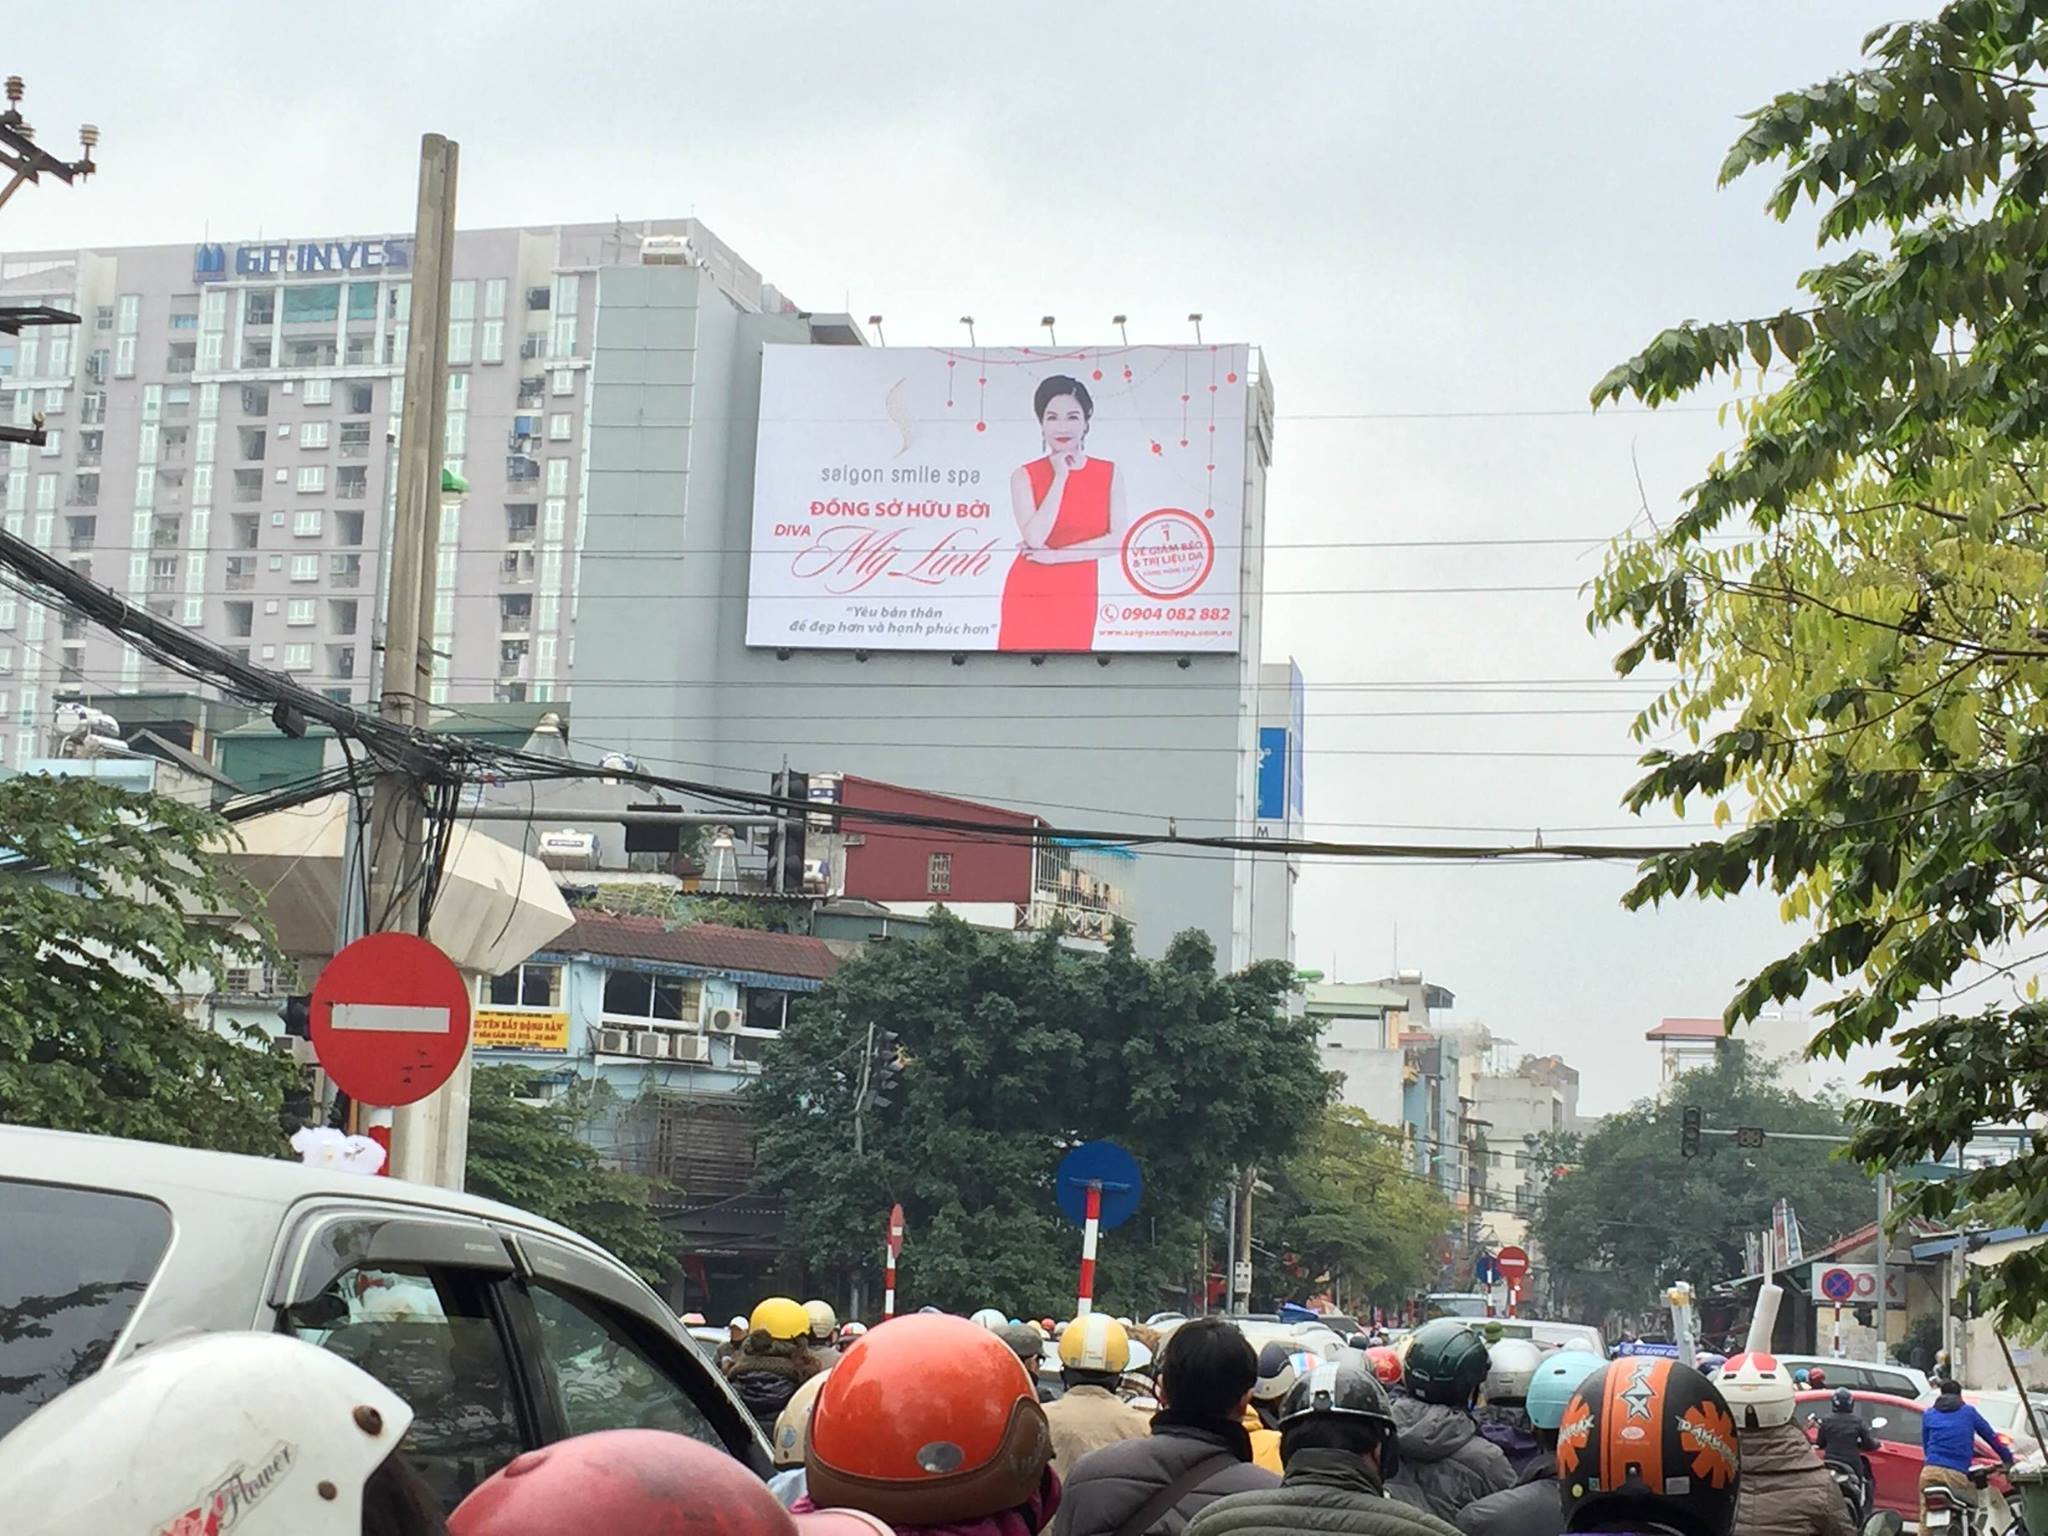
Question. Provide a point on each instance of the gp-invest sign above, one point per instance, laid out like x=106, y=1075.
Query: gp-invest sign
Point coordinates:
x=999, y=499
x=213, y=263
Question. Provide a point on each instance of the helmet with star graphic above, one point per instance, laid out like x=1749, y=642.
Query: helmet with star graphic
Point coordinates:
x=1648, y=1444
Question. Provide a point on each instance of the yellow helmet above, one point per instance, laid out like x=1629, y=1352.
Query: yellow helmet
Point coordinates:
x=780, y=1318
x=1096, y=1342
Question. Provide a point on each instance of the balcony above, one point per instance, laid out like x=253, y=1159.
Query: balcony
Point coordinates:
x=346, y=571
x=520, y=623
x=83, y=535
x=354, y=445
x=519, y=467
x=88, y=458
x=533, y=390
x=166, y=534
x=241, y=576
x=516, y=568
x=83, y=495
x=352, y=485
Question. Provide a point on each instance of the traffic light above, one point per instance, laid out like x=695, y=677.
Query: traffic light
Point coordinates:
x=1689, y=1131
x=884, y=1072
x=1749, y=1137
x=297, y=1014
x=790, y=835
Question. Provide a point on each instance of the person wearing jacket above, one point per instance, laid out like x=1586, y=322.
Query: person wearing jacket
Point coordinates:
x=1532, y=1507
x=1094, y=1352
x=1949, y=1432
x=1336, y=1437
x=1445, y=1464
x=929, y=1424
x=1785, y=1490
x=1843, y=1438
x=774, y=1359
x=1503, y=1416
x=1282, y=1363
x=1198, y=1445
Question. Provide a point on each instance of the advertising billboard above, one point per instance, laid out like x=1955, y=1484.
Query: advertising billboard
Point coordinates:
x=999, y=499
x=518, y=1029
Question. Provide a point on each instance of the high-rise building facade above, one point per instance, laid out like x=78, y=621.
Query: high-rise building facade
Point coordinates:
x=222, y=430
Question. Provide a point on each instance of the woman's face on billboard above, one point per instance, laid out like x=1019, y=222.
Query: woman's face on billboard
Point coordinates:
x=1064, y=423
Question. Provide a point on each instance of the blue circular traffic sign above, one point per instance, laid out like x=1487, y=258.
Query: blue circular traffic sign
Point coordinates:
x=1837, y=1284
x=1107, y=1164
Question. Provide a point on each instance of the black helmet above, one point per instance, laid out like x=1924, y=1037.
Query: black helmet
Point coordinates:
x=1333, y=1391
x=1648, y=1442
x=1446, y=1363
x=1844, y=1400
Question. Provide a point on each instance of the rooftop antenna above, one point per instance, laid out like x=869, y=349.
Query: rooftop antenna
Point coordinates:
x=1195, y=320
x=876, y=322
x=1118, y=322
x=968, y=321
x=1051, y=334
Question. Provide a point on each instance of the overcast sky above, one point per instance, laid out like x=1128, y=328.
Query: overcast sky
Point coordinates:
x=1441, y=223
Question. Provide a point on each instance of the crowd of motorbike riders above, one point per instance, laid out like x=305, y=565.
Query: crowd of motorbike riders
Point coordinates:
x=937, y=1425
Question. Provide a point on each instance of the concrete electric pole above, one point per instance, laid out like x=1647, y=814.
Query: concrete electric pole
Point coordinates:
x=429, y=1140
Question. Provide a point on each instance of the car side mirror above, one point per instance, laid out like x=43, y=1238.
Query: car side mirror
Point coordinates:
x=1886, y=1522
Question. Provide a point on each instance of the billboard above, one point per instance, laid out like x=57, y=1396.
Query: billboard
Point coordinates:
x=999, y=499
x=518, y=1029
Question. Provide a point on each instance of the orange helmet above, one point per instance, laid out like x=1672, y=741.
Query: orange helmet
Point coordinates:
x=1385, y=1363
x=925, y=1421
x=646, y=1481
x=1648, y=1443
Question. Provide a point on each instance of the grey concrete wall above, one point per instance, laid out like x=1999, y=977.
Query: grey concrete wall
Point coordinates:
x=674, y=418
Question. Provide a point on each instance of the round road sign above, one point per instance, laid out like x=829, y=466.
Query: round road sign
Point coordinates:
x=1837, y=1284
x=1107, y=1164
x=1514, y=1264
x=390, y=1019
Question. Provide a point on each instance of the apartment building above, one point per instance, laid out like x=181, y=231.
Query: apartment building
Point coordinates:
x=222, y=430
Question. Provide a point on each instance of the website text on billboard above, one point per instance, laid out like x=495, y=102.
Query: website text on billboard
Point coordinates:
x=999, y=499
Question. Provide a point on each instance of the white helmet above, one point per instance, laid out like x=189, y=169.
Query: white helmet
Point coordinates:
x=258, y=1429
x=853, y=1330
x=1510, y=1366
x=793, y=1427
x=824, y=1321
x=1758, y=1390
x=990, y=1318
x=1282, y=1363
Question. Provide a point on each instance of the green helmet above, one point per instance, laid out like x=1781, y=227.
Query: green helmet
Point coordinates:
x=1446, y=1363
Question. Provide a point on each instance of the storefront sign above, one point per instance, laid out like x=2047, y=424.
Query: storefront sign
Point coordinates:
x=519, y=1029
x=213, y=263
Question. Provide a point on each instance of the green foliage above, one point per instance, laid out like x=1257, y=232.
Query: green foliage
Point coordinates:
x=1346, y=1207
x=1862, y=652
x=1631, y=1215
x=1010, y=1053
x=128, y=909
x=529, y=1154
x=680, y=907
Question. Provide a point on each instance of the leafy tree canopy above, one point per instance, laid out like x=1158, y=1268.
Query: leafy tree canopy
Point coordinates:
x=525, y=1151
x=1346, y=1212
x=1010, y=1053
x=115, y=908
x=1632, y=1215
x=1855, y=598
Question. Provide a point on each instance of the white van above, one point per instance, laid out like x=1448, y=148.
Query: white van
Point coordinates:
x=1545, y=1335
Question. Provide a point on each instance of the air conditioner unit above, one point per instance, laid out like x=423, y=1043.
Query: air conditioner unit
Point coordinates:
x=651, y=1042
x=615, y=1042
x=724, y=1020
x=690, y=1048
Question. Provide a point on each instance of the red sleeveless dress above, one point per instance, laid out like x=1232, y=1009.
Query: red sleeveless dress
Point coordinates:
x=1052, y=607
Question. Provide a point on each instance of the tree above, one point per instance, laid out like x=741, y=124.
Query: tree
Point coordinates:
x=114, y=904
x=525, y=1151
x=1855, y=598
x=1632, y=1215
x=1345, y=1211
x=1010, y=1052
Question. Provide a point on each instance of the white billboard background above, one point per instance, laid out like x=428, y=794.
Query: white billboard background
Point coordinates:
x=883, y=515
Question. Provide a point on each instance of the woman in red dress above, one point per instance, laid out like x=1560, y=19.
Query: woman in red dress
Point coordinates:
x=1070, y=513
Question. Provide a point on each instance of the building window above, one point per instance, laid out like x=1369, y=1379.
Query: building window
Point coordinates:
x=564, y=381
x=187, y=320
x=312, y=477
x=568, y=286
x=306, y=523
x=530, y=986
x=124, y=357
x=491, y=343
x=298, y=658
x=564, y=342
x=53, y=442
x=318, y=392
x=299, y=611
x=461, y=341
x=766, y=1008
x=643, y=995
x=359, y=399
x=259, y=307
x=305, y=567
x=558, y=427
x=131, y=313
x=938, y=874
x=312, y=434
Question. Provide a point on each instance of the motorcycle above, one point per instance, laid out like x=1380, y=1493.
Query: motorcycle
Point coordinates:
x=1853, y=1483
x=1989, y=1515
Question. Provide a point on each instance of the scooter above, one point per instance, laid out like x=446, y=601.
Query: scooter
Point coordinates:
x=1853, y=1483
x=1990, y=1515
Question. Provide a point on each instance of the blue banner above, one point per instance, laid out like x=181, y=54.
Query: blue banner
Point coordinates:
x=1645, y=1347
x=1273, y=773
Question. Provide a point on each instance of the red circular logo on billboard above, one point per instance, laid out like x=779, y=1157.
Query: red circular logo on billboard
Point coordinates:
x=1168, y=553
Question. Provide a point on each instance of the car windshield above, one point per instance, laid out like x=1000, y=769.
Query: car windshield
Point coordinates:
x=72, y=1269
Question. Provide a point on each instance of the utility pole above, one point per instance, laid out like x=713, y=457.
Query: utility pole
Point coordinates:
x=429, y=1140
x=28, y=160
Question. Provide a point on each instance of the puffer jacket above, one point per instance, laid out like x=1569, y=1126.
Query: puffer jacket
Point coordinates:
x=1785, y=1490
x=1325, y=1493
x=1445, y=1463
x=1508, y=1426
x=1265, y=1442
x=1086, y=1418
x=765, y=1375
x=1027, y=1519
x=1107, y=1487
x=1530, y=1508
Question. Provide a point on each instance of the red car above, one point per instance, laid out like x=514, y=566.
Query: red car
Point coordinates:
x=1894, y=1422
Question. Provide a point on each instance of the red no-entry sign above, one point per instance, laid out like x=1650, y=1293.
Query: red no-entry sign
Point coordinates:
x=390, y=1019
x=1514, y=1264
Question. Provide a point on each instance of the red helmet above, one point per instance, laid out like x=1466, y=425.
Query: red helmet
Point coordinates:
x=927, y=1421
x=1648, y=1442
x=645, y=1481
x=1385, y=1363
